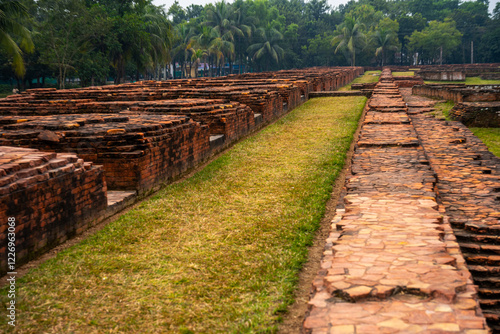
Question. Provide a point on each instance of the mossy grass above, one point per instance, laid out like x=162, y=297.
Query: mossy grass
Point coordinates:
x=442, y=109
x=367, y=77
x=490, y=137
x=219, y=252
x=403, y=74
x=468, y=81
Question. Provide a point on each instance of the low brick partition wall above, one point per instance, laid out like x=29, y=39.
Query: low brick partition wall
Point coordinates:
x=491, y=76
x=51, y=196
x=230, y=118
x=408, y=81
x=459, y=92
x=391, y=263
x=442, y=75
x=477, y=114
x=138, y=152
x=468, y=186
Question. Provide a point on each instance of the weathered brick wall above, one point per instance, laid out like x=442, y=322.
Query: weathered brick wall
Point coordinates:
x=51, y=196
x=442, y=75
x=460, y=92
x=137, y=151
x=477, y=114
x=491, y=76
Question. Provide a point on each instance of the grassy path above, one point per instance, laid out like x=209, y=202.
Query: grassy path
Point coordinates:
x=367, y=77
x=216, y=253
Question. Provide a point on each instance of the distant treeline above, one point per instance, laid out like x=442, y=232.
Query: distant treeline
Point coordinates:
x=131, y=39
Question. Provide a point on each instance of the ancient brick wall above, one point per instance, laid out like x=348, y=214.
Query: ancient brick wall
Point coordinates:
x=442, y=75
x=51, y=196
x=459, y=92
x=477, y=114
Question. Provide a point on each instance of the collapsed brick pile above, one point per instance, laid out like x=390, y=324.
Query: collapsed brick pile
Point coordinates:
x=469, y=183
x=51, y=196
x=391, y=263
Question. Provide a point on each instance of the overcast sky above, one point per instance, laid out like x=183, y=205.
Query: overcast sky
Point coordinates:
x=185, y=3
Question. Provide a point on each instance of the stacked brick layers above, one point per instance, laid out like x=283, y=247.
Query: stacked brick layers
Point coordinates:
x=269, y=94
x=51, y=196
x=468, y=186
x=392, y=263
x=137, y=151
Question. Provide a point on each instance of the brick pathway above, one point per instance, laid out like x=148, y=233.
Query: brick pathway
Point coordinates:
x=391, y=263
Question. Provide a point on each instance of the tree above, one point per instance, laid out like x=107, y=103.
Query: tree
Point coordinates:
x=435, y=42
x=222, y=20
x=12, y=14
x=385, y=38
x=65, y=35
x=349, y=37
x=161, y=36
x=267, y=49
x=183, y=47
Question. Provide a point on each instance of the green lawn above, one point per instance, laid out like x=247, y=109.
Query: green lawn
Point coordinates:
x=468, y=81
x=367, y=77
x=219, y=252
x=490, y=137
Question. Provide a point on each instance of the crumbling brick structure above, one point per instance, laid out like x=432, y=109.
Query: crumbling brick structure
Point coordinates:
x=52, y=197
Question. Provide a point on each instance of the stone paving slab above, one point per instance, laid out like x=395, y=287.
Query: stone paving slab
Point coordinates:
x=386, y=118
x=396, y=135
x=391, y=263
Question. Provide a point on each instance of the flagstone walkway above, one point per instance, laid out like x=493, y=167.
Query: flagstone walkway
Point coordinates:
x=392, y=263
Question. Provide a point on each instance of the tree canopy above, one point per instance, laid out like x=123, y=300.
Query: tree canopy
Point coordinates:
x=100, y=40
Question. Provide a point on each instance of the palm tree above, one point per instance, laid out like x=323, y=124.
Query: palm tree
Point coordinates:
x=268, y=46
x=12, y=13
x=195, y=59
x=183, y=48
x=349, y=36
x=203, y=40
x=385, y=41
x=220, y=48
x=222, y=20
x=161, y=35
x=246, y=23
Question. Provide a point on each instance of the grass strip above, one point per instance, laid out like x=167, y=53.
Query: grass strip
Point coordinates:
x=367, y=77
x=219, y=252
x=403, y=74
x=490, y=137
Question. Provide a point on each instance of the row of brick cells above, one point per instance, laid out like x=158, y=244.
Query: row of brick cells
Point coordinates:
x=61, y=151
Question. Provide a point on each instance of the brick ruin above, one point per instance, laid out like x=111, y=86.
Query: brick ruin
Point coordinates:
x=392, y=263
x=460, y=92
x=52, y=196
x=67, y=157
x=476, y=105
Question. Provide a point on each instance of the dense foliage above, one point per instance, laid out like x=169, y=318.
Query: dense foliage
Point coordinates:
x=99, y=40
